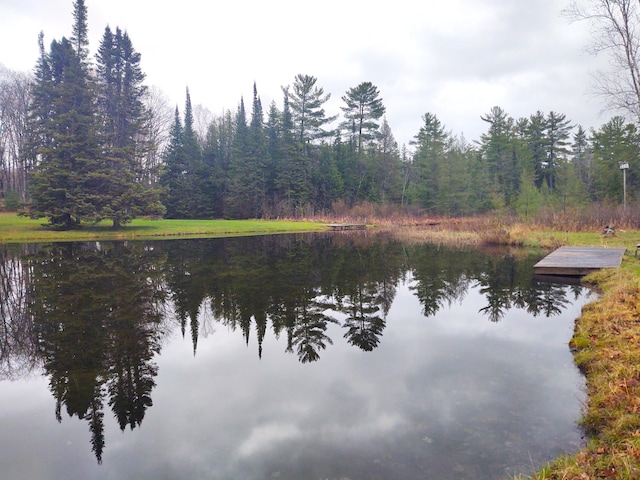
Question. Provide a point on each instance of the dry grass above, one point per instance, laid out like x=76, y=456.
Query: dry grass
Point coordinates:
x=606, y=345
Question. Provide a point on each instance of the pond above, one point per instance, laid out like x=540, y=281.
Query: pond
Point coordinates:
x=323, y=356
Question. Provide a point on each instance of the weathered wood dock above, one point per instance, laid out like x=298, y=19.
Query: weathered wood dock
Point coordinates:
x=347, y=226
x=578, y=261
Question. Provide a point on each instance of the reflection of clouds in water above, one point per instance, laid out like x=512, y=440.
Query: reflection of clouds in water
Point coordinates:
x=379, y=423
x=452, y=386
x=266, y=437
x=436, y=388
x=274, y=436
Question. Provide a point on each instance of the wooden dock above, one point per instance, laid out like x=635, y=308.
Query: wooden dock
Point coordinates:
x=347, y=226
x=578, y=261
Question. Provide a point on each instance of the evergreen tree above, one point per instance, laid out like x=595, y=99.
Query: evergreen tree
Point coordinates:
x=362, y=111
x=309, y=117
x=274, y=154
x=80, y=33
x=537, y=141
x=190, y=144
x=582, y=158
x=615, y=142
x=86, y=136
x=558, y=130
x=459, y=188
x=431, y=143
x=63, y=120
x=216, y=165
x=121, y=195
x=498, y=154
x=386, y=165
x=257, y=174
x=293, y=173
x=239, y=193
x=196, y=189
x=174, y=175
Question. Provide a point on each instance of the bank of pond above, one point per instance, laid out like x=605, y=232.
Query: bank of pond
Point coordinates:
x=325, y=355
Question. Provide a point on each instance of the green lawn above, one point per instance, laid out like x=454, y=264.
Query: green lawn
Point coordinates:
x=15, y=229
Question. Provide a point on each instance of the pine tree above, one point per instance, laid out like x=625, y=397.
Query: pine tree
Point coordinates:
x=362, y=111
x=309, y=117
x=558, y=131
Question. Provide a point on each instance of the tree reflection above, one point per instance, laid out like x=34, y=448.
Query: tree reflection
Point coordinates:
x=308, y=335
x=507, y=282
x=364, y=323
x=97, y=311
x=18, y=342
x=92, y=313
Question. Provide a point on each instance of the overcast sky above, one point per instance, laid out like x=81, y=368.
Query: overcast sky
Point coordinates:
x=456, y=59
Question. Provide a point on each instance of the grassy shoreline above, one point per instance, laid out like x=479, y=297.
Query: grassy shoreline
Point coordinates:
x=606, y=340
x=14, y=229
x=605, y=345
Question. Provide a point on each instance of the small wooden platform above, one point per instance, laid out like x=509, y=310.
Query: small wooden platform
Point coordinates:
x=347, y=226
x=578, y=261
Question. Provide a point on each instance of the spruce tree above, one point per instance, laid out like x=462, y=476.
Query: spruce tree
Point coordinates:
x=256, y=172
x=65, y=140
x=173, y=178
x=497, y=149
x=80, y=33
x=120, y=193
x=431, y=147
x=197, y=177
x=87, y=130
x=239, y=193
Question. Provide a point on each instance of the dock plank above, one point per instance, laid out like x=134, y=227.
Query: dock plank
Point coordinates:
x=578, y=261
x=347, y=226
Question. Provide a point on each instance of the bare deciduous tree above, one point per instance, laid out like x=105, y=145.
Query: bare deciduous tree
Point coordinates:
x=615, y=32
x=159, y=122
x=14, y=103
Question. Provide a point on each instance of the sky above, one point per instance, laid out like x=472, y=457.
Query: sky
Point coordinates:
x=455, y=59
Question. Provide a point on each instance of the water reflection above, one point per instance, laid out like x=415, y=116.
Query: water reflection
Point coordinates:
x=93, y=315
x=95, y=310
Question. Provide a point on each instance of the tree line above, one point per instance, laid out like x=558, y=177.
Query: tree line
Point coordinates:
x=85, y=139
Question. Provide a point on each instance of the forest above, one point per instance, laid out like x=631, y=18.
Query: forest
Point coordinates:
x=83, y=138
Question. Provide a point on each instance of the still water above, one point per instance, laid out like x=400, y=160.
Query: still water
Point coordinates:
x=291, y=357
